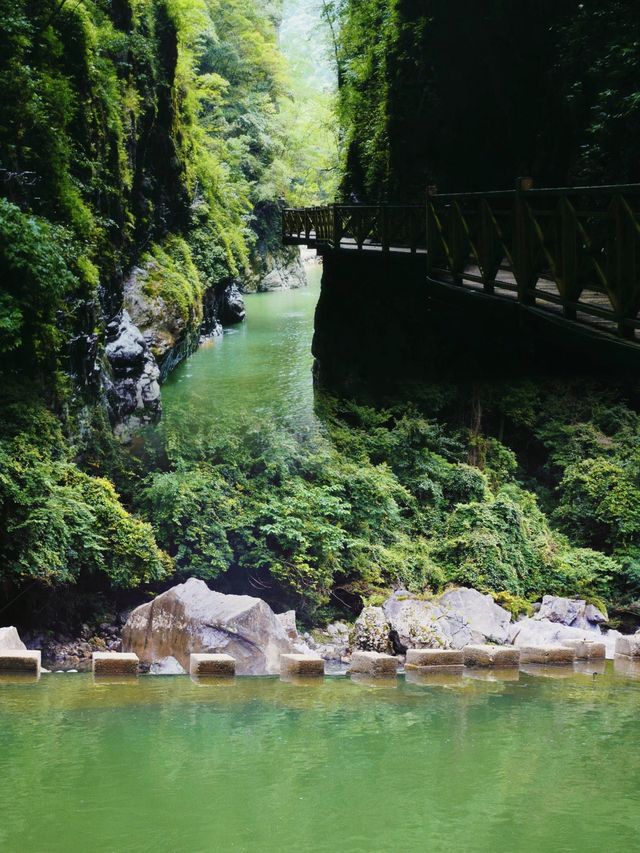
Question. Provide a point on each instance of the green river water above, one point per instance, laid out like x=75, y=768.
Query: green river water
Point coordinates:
x=164, y=764
x=544, y=762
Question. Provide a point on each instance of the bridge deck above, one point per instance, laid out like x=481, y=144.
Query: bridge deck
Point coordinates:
x=573, y=252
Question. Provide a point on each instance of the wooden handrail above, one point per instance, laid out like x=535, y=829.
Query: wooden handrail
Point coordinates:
x=573, y=249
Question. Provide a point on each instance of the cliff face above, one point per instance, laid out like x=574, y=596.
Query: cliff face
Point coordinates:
x=133, y=147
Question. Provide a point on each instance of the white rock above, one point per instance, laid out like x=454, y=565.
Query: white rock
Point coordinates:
x=191, y=618
x=541, y=632
x=10, y=640
x=573, y=612
x=455, y=619
x=288, y=622
x=371, y=632
x=167, y=666
x=479, y=612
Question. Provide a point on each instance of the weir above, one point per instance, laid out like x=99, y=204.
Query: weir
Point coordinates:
x=535, y=280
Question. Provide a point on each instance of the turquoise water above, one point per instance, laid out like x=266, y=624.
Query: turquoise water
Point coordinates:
x=164, y=764
x=261, y=367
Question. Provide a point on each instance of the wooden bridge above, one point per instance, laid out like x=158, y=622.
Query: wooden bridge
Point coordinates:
x=573, y=253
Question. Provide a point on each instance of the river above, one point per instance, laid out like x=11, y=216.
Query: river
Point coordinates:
x=261, y=367
x=167, y=765
x=481, y=763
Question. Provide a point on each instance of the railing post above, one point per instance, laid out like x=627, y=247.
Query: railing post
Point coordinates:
x=569, y=257
x=523, y=244
x=384, y=227
x=335, y=226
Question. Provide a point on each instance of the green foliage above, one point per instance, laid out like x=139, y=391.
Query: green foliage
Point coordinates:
x=600, y=504
x=60, y=523
x=309, y=520
x=39, y=269
x=553, y=94
x=172, y=277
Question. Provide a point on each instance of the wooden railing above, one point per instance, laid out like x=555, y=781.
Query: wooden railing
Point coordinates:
x=573, y=251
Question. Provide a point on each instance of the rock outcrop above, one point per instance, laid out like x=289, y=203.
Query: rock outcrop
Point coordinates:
x=481, y=615
x=288, y=622
x=372, y=631
x=130, y=378
x=191, y=618
x=573, y=612
x=286, y=274
x=452, y=620
x=10, y=640
x=232, y=309
x=543, y=632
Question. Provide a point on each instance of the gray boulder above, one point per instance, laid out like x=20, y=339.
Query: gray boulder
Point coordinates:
x=544, y=632
x=573, y=612
x=192, y=618
x=418, y=623
x=131, y=378
x=372, y=631
x=167, y=666
x=232, y=309
x=479, y=613
x=10, y=640
x=288, y=622
x=452, y=620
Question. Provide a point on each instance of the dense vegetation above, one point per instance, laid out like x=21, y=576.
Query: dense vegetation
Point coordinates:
x=148, y=133
x=410, y=494
x=157, y=132
x=469, y=96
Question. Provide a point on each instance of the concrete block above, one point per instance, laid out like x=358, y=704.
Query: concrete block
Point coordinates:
x=495, y=656
x=628, y=646
x=212, y=665
x=374, y=664
x=307, y=665
x=586, y=649
x=547, y=655
x=419, y=658
x=13, y=660
x=114, y=663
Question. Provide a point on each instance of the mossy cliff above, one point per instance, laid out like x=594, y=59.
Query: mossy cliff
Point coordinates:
x=137, y=138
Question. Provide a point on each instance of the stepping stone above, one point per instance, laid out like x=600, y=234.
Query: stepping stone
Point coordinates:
x=586, y=649
x=217, y=665
x=114, y=663
x=20, y=661
x=628, y=646
x=488, y=655
x=442, y=659
x=547, y=654
x=307, y=665
x=374, y=664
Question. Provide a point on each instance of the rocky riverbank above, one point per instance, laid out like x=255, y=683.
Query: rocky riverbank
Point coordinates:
x=192, y=618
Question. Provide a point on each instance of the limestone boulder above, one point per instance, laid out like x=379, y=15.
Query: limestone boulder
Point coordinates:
x=418, y=623
x=452, y=620
x=288, y=622
x=191, y=618
x=480, y=614
x=372, y=630
x=572, y=612
x=543, y=632
x=10, y=640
